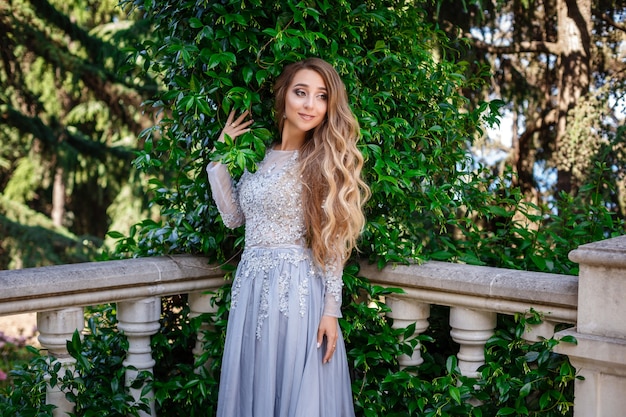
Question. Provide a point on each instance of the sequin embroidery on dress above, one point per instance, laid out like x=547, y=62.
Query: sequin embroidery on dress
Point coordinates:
x=270, y=200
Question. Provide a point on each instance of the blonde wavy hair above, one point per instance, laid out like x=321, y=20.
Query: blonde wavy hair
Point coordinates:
x=333, y=191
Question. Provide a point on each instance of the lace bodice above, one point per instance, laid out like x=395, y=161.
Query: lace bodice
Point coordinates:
x=269, y=202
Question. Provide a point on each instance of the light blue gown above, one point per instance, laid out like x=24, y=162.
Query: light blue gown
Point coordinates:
x=271, y=364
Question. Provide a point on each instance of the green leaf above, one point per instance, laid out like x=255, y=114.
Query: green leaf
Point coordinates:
x=506, y=411
x=544, y=400
x=455, y=394
x=247, y=74
x=525, y=390
x=114, y=234
x=569, y=339
x=195, y=23
x=261, y=76
x=531, y=356
x=451, y=364
x=499, y=211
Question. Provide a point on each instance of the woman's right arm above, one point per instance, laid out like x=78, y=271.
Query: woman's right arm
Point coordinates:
x=225, y=195
x=222, y=185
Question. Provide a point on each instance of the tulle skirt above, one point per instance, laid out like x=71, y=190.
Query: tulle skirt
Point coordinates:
x=271, y=364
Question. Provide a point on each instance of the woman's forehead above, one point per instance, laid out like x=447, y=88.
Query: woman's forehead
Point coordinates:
x=308, y=78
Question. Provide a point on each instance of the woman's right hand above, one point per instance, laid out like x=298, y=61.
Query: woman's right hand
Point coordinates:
x=235, y=127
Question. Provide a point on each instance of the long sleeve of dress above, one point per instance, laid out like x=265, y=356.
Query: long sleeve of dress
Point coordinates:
x=225, y=195
x=333, y=283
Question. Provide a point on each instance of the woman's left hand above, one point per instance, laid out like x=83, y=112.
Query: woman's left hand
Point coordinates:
x=329, y=327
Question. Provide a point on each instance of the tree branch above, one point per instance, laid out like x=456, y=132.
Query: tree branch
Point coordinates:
x=97, y=49
x=606, y=18
x=547, y=119
x=36, y=127
x=123, y=104
x=531, y=46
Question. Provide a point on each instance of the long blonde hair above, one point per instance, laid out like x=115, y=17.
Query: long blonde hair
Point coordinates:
x=333, y=192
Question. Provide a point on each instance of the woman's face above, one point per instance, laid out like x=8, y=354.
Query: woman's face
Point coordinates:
x=306, y=102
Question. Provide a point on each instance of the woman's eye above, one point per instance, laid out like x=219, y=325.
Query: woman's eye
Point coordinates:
x=300, y=93
x=323, y=96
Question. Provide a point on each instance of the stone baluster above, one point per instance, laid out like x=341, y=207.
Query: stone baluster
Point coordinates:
x=405, y=312
x=55, y=329
x=139, y=320
x=537, y=332
x=471, y=329
x=200, y=303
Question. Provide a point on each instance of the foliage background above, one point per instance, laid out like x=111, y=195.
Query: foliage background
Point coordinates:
x=405, y=91
x=409, y=87
x=70, y=116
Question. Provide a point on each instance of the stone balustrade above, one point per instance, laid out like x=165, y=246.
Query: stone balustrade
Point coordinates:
x=592, y=302
x=475, y=295
x=59, y=293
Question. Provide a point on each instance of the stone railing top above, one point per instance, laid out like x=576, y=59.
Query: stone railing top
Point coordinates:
x=474, y=287
x=608, y=253
x=92, y=283
x=482, y=288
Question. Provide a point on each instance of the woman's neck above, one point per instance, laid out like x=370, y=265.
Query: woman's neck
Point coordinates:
x=282, y=146
x=290, y=141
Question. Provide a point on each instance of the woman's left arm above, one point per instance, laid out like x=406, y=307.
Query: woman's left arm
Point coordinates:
x=333, y=284
x=329, y=325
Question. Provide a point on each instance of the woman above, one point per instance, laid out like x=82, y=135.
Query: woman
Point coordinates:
x=284, y=354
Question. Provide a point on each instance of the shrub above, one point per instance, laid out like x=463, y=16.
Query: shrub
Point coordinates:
x=405, y=89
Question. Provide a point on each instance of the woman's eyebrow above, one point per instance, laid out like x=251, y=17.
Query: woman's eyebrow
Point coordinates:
x=307, y=86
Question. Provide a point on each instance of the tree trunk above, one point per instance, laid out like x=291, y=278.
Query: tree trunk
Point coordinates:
x=574, y=38
x=58, y=198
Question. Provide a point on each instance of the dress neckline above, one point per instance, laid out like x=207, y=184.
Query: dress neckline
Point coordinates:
x=283, y=150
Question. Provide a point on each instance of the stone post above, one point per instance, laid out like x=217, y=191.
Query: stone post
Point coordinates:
x=471, y=329
x=600, y=354
x=199, y=303
x=139, y=320
x=55, y=329
x=405, y=312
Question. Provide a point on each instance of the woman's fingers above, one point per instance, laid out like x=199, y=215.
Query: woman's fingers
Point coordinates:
x=240, y=126
x=328, y=328
x=233, y=130
x=331, y=347
x=235, y=127
x=239, y=119
x=231, y=116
